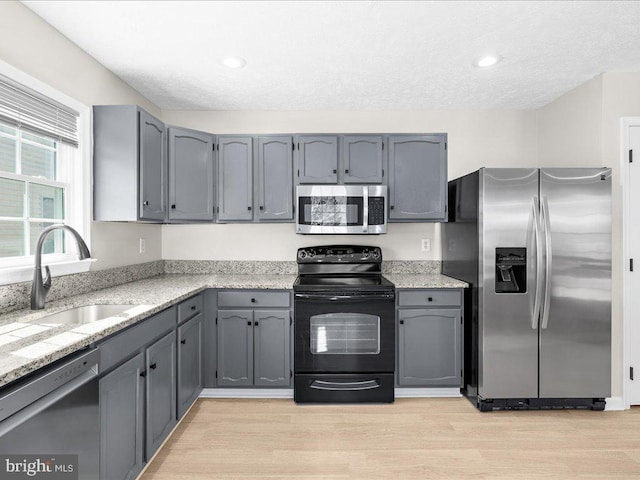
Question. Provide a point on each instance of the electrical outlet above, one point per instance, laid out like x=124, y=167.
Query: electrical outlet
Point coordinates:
x=426, y=245
x=143, y=245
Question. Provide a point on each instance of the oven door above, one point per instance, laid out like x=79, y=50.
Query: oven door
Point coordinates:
x=344, y=332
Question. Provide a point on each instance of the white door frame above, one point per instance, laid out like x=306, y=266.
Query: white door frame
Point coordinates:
x=625, y=123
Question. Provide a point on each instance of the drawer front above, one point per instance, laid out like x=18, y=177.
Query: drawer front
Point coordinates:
x=429, y=298
x=190, y=308
x=254, y=299
x=119, y=348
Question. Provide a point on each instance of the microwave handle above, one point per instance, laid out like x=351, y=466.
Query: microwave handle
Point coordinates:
x=365, y=209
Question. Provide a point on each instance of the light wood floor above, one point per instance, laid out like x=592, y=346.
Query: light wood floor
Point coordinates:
x=410, y=439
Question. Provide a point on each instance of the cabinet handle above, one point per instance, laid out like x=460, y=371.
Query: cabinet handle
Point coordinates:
x=249, y=208
x=145, y=203
x=193, y=307
x=143, y=374
x=335, y=171
x=253, y=300
x=249, y=323
x=401, y=322
x=261, y=207
x=346, y=172
x=391, y=207
x=182, y=342
x=430, y=299
x=256, y=323
x=153, y=366
x=173, y=206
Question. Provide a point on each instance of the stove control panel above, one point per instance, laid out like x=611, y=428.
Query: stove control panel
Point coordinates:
x=340, y=254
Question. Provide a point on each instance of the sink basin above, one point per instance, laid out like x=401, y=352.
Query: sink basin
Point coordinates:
x=86, y=314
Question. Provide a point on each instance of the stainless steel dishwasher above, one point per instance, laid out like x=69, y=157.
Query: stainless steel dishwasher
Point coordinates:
x=52, y=421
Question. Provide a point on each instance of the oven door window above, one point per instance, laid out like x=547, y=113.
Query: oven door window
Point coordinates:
x=331, y=211
x=345, y=333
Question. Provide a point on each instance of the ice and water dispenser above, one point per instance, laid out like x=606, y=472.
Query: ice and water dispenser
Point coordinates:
x=511, y=270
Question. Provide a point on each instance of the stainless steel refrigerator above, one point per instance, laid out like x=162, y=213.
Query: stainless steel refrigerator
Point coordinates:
x=535, y=247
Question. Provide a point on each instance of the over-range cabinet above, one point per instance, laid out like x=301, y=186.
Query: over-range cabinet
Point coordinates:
x=535, y=247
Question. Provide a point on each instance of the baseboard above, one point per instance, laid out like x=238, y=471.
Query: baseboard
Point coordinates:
x=427, y=392
x=614, y=404
x=288, y=392
x=246, y=393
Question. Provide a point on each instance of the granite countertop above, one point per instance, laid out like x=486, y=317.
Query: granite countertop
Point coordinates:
x=424, y=280
x=28, y=341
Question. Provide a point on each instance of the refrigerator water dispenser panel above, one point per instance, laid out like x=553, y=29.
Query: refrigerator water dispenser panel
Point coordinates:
x=511, y=270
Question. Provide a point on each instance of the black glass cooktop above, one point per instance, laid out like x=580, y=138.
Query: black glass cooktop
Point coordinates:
x=359, y=282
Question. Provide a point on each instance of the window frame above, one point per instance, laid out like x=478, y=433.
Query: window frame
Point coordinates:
x=77, y=180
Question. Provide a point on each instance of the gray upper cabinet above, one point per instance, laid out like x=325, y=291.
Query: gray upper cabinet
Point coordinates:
x=235, y=189
x=362, y=159
x=122, y=421
x=271, y=348
x=317, y=159
x=417, y=177
x=160, y=365
x=274, y=185
x=189, y=363
x=190, y=175
x=129, y=164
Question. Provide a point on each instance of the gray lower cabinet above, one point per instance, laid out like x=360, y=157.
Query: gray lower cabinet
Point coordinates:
x=253, y=339
x=429, y=339
x=122, y=421
x=317, y=158
x=129, y=164
x=190, y=175
x=160, y=360
x=235, y=178
x=189, y=363
x=274, y=179
x=417, y=177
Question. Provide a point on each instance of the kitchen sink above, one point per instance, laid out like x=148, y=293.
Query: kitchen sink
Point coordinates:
x=86, y=314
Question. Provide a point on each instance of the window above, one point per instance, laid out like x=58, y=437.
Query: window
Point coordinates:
x=42, y=176
x=33, y=190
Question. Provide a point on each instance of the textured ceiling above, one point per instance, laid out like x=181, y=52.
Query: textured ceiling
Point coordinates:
x=352, y=55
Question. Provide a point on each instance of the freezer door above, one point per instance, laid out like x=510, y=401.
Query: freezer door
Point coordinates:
x=507, y=330
x=575, y=327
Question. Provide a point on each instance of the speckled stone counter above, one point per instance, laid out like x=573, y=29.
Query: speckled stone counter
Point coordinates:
x=424, y=280
x=28, y=341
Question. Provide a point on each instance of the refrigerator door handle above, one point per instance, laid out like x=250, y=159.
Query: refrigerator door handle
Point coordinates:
x=546, y=222
x=537, y=299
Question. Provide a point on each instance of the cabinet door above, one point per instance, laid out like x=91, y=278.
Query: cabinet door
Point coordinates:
x=271, y=333
x=274, y=193
x=121, y=421
x=362, y=159
x=429, y=347
x=235, y=348
x=189, y=363
x=161, y=391
x=190, y=175
x=417, y=177
x=235, y=156
x=317, y=159
x=152, y=168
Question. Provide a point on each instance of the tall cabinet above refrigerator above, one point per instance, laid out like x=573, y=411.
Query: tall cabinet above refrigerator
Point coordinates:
x=535, y=247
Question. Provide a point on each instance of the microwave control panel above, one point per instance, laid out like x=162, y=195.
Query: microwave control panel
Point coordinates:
x=376, y=210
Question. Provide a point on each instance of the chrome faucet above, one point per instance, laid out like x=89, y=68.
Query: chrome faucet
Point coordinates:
x=40, y=287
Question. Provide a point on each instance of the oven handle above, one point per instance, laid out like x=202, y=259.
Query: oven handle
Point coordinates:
x=342, y=386
x=336, y=298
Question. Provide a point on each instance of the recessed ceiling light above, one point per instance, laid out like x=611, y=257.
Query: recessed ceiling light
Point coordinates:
x=234, y=62
x=487, y=61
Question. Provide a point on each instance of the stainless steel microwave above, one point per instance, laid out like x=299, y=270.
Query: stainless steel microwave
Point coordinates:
x=341, y=209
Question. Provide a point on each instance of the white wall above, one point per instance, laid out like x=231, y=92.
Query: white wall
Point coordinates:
x=476, y=139
x=33, y=46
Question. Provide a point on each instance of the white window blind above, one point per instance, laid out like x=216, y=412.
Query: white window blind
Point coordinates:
x=31, y=111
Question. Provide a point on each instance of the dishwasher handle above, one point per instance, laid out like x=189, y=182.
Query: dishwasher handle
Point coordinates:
x=45, y=402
